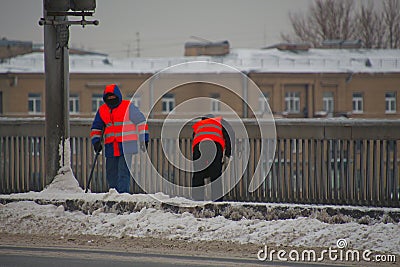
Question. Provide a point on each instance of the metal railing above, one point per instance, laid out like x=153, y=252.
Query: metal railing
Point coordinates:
x=326, y=161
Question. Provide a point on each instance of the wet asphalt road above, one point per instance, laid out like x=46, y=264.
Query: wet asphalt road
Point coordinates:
x=60, y=257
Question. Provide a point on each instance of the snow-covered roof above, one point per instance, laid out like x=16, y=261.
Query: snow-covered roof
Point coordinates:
x=245, y=60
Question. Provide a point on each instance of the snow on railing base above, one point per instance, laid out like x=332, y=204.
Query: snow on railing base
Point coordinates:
x=231, y=210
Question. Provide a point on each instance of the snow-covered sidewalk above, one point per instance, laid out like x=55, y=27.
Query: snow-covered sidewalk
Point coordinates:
x=64, y=209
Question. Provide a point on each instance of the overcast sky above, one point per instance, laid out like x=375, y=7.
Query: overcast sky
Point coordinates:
x=163, y=25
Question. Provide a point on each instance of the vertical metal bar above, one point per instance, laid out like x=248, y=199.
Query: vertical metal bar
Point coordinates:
x=273, y=177
x=256, y=195
x=139, y=168
x=89, y=164
x=279, y=180
x=291, y=180
x=246, y=167
x=17, y=164
x=98, y=185
x=264, y=171
x=368, y=174
x=21, y=163
x=286, y=183
x=348, y=173
x=375, y=186
x=190, y=165
x=75, y=152
x=305, y=181
x=396, y=181
x=381, y=173
x=388, y=178
x=34, y=180
x=42, y=171
x=249, y=169
x=2, y=166
x=33, y=183
x=311, y=177
x=341, y=181
x=36, y=156
x=298, y=179
x=15, y=181
x=102, y=175
x=26, y=163
x=19, y=184
x=317, y=178
x=82, y=161
x=186, y=173
x=361, y=184
x=8, y=164
x=76, y=157
x=257, y=175
x=24, y=157
x=159, y=163
x=12, y=163
x=355, y=178
x=323, y=178
x=329, y=178
x=396, y=177
x=335, y=171
x=29, y=163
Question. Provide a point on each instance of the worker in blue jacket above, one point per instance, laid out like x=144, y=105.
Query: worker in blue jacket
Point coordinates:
x=124, y=130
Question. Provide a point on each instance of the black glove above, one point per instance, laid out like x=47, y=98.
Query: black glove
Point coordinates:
x=97, y=147
x=143, y=146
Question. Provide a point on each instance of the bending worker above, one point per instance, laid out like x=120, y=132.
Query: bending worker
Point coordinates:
x=212, y=149
x=123, y=133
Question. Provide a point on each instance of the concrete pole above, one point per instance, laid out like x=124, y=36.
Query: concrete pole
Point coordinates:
x=56, y=93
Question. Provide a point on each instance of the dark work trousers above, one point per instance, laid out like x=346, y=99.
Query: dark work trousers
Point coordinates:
x=213, y=171
x=117, y=173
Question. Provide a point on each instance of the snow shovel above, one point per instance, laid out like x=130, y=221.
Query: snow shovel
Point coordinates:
x=91, y=171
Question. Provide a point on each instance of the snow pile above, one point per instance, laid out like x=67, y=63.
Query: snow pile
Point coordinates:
x=64, y=182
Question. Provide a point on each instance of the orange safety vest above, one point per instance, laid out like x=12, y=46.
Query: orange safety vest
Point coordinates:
x=118, y=126
x=208, y=129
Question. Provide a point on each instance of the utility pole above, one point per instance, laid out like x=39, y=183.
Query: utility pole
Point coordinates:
x=56, y=61
x=137, y=44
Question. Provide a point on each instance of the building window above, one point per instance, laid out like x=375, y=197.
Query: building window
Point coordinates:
x=168, y=103
x=358, y=103
x=97, y=101
x=390, y=102
x=74, y=104
x=215, y=103
x=328, y=103
x=34, y=103
x=292, y=102
x=263, y=103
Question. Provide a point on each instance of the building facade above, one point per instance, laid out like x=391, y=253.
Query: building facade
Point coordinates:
x=348, y=83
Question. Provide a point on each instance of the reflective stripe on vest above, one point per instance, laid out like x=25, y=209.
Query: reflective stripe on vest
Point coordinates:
x=95, y=133
x=143, y=128
x=118, y=126
x=208, y=129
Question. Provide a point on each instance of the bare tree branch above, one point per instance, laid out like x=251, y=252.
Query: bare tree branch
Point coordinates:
x=338, y=20
x=391, y=17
